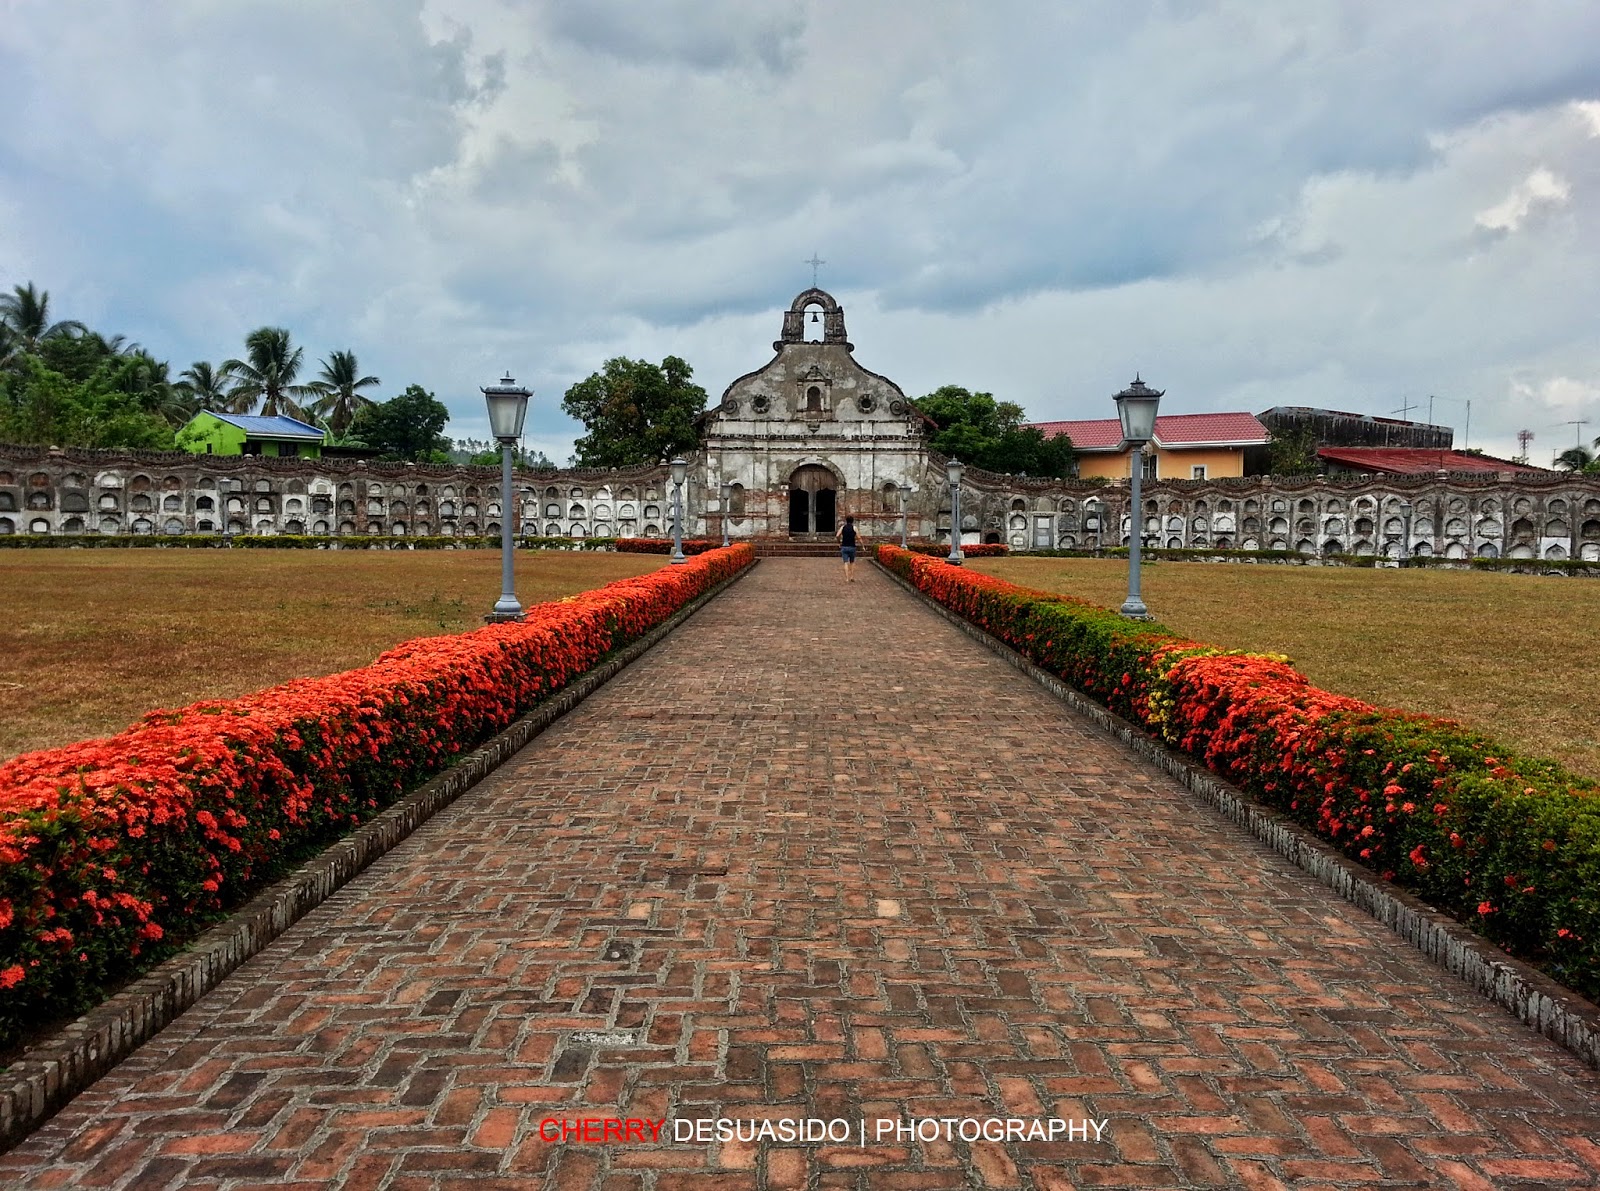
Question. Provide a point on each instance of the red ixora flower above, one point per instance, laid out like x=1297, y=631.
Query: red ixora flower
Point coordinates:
x=227, y=785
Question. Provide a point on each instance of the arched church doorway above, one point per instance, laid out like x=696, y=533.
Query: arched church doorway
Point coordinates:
x=811, y=500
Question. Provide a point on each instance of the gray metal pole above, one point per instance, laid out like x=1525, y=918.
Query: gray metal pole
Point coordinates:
x=1133, y=606
x=677, y=524
x=507, y=607
x=904, y=544
x=955, y=526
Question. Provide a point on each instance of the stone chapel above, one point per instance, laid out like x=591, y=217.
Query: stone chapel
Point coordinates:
x=812, y=436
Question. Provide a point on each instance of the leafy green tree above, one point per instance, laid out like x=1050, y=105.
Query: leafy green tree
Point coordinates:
x=349, y=440
x=405, y=427
x=147, y=378
x=483, y=452
x=268, y=375
x=206, y=386
x=341, y=383
x=1293, y=452
x=25, y=311
x=975, y=428
x=119, y=405
x=635, y=412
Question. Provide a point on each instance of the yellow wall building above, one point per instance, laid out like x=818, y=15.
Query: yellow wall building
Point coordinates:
x=1185, y=447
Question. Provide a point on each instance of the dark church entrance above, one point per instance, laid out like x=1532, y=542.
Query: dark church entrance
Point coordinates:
x=811, y=500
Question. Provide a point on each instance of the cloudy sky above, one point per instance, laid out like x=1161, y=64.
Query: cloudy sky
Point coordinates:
x=1353, y=205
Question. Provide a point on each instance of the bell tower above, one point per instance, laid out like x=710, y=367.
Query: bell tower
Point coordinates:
x=794, y=320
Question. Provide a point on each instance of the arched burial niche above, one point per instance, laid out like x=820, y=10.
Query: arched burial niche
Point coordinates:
x=812, y=500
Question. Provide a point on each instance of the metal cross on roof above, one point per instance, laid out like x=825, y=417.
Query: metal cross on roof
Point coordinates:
x=815, y=262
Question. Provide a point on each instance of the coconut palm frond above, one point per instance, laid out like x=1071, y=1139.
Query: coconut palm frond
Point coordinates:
x=268, y=375
x=341, y=383
x=1575, y=459
x=26, y=312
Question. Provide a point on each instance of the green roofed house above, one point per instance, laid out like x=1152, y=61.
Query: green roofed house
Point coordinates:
x=210, y=433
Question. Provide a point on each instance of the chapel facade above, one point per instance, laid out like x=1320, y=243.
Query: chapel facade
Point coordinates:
x=812, y=437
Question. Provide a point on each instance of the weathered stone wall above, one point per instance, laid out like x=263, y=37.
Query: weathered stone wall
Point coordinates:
x=1459, y=515
x=1547, y=517
x=810, y=420
x=145, y=492
x=1334, y=429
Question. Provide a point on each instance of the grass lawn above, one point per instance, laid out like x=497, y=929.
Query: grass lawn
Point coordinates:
x=90, y=640
x=1511, y=655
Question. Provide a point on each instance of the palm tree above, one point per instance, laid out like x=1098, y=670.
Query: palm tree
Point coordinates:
x=268, y=375
x=207, y=386
x=26, y=312
x=340, y=383
x=144, y=377
x=1575, y=459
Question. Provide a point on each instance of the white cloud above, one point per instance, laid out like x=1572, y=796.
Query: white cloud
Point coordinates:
x=1539, y=189
x=1258, y=204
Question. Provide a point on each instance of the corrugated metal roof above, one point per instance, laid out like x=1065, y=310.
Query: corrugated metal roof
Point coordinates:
x=1416, y=460
x=277, y=426
x=1172, y=430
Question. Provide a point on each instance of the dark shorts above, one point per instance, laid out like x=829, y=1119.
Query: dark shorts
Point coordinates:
x=848, y=553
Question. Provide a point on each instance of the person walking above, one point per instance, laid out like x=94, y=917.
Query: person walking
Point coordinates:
x=846, y=535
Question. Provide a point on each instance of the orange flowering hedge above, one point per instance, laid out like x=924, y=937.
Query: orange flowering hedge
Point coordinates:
x=110, y=849
x=1508, y=844
x=976, y=550
x=664, y=545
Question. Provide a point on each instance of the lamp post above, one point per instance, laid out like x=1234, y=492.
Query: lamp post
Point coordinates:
x=952, y=472
x=727, y=495
x=1405, y=532
x=1095, y=508
x=508, y=406
x=905, y=497
x=680, y=473
x=1136, y=407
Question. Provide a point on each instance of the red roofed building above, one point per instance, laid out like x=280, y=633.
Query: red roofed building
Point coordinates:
x=1185, y=447
x=1413, y=461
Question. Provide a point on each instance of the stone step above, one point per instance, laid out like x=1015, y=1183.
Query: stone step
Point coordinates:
x=783, y=548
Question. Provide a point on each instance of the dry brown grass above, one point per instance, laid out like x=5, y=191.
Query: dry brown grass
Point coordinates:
x=1511, y=655
x=90, y=640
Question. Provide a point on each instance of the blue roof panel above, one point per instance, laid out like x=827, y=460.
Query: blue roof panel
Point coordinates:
x=276, y=427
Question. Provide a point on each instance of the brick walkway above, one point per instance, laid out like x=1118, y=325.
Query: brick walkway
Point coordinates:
x=819, y=855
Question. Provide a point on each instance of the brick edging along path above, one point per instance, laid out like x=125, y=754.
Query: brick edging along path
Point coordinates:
x=1536, y=1000
x=55, y=1069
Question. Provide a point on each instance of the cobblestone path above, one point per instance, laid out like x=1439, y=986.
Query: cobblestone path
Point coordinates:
x=820, y=856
